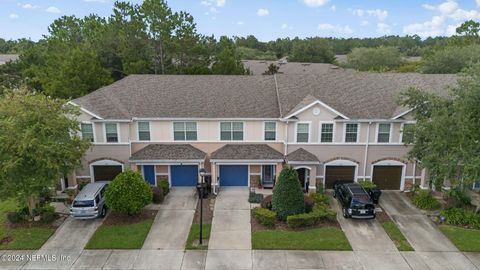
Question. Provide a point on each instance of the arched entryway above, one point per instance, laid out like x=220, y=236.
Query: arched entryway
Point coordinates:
x=105, y=170
x=303, y=177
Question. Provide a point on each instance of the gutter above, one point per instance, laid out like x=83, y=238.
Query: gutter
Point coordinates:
x=366, y=152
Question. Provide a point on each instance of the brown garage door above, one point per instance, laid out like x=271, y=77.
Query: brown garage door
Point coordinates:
x=343, y=174
x=387, y=177
x=106, y=173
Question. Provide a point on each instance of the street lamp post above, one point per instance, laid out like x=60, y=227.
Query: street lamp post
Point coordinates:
x=202, y=173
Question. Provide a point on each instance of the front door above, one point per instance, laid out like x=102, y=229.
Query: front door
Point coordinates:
x=268, y=176
x=303, y=176
x=149, y=174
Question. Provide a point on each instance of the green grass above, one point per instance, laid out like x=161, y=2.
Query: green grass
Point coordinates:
x=328, y=238
x=129, y=236
x=195, y=235
x=397, y=237
x=464, y=239
x=23, y=238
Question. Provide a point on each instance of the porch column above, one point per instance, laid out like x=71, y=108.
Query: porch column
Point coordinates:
x=134, y=167
x=312, y=186
x=214, y=173
x=423, y=179
x=72, y=179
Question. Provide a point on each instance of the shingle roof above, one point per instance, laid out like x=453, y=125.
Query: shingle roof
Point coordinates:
x=300, y=155
x=8, y=57
x=168, y=152
x=246, y=152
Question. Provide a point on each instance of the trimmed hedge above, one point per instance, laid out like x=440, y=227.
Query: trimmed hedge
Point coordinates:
x=255, y=197
x=158, y=196
x=319, y=213
x=128, y=193
x=367, y=184
x=287, y=197
x=309, y=203
x=320, y=198
x=462, y=217
x=424, y=200
x=264, y=216
x=165, y=187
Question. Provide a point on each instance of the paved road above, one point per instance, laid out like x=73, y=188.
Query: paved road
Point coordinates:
x=173, y=221
x=419, y=230
x=231, y=229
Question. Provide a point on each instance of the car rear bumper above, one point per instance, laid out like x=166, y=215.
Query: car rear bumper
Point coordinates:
x=363, y=216
x=88, y=215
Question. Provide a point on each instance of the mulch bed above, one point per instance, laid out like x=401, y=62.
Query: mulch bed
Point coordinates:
x=121, y=219
x=282, y=225
x=34, y=224
x=382, y=217
x=208, y=207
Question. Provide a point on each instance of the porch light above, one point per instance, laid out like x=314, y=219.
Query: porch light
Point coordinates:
x=202, y=172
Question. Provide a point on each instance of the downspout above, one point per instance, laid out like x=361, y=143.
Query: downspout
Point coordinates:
x=285, y=143
x=414, y=172
x=366, y=153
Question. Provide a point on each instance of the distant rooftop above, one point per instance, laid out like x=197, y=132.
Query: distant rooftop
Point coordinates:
x=4, y=58
x=258, y=67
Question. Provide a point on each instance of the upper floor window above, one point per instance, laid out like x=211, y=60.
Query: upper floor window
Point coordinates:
x=87, y=131
x=383, y=135
x=351, y=132
x=111, y=132
x=185, y=131
x=270, y=132
x=303, y=132
x=407, y=133
x=231, y=131
x=326, y=134
x=144, y=131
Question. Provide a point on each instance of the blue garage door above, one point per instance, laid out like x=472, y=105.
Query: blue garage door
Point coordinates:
x=149, y=174
x=234, y=175
x=184, y=175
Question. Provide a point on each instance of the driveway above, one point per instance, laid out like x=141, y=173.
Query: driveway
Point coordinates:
x=231, y=229
x=364, y=234
x=172, y=224
x=419, y=230
x=73, y=234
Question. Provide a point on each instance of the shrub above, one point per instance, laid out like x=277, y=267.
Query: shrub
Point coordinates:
x=450, y=59
x=255, y=197
x=367, y=184
x=309, y=203
x=319, y=213
x=165, y=187
x=47, y=214
x=267, y=202
x=459, y=197
x=13, y=217
x=287, y=196
x=462, y=217
x=157, y=195
x=264, y=216
x=374, y=59
x=424, y=200
x=320, y=198
x=128, y=193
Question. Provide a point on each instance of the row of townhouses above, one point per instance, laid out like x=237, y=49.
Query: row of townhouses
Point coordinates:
x=337, y=126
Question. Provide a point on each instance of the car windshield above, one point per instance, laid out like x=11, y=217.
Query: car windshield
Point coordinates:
x=362, y=201
x=88, y=203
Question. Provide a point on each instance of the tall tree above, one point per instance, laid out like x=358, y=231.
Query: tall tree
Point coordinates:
x=227, y=60
x=313, y=50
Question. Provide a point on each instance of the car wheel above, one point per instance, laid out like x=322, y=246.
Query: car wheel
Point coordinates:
x=345, y=213
x=334, y=194
x=104, y=212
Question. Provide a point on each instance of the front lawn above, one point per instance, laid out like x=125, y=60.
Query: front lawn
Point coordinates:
x=21, y=237
x=397, y=237
x=325, y=238
x=464, y=239
x=195, y=235
x=121, y=236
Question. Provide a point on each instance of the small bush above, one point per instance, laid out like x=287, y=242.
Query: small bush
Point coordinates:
x=255, y=197
x=13, y=217
x=320, y=198
x=424, y=200
x=367, y=184
x=267, y=202
x=157, y=195
x=309, y=203
x=287, y=197
x=459, y=197
x=264, y=216
x=128, y=193
x=165, y=187
x=47, y=213
x=319, y=213
x=462, y=217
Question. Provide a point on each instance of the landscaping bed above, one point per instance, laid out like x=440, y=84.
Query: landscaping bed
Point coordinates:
x=194, y=234
x=393, y=232
x=122, y=231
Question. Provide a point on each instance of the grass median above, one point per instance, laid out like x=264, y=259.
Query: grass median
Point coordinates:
x=467, y=240
x=397, y=237
x=194, y=236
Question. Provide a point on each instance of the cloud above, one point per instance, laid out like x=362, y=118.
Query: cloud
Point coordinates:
x=334, y=8
x=364, y=23
x=335, y=28
x=29, y=6
x=13, y=16
x=52, y=9
x=261, y=12
x=284, y=26
x=433, y=27
x=445, y=8
x=240, y=23
x=478, y=3
x=218, y=3
x=315, y=3
x=380, y=14
x=383, y=28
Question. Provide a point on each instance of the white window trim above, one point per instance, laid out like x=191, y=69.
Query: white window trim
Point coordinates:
x=345, y=132
x=309, y=131
x=276, y=131
x=232, y=140
x=184, y=121
x=149, y=131
x=105, y=133
x=377, y=130
x=402, y=126
x=320, y=132
x=93, y=130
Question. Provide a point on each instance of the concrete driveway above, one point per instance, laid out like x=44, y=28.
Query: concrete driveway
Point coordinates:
x=231, y=229
x=172, y=224
x=364, y=234
x=419, y=230
x=73, y=234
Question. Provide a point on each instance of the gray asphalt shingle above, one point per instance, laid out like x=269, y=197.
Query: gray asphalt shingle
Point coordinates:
x=246, y=152
x=302, y=155
x=169, y=152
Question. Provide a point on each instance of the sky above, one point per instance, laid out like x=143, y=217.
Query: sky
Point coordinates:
x=266, y=19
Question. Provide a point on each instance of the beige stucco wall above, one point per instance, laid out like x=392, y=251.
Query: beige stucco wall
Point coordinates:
x=119, y=153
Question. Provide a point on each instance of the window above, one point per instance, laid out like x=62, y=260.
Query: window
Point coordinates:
x=111, y=132
x=326, y=135
x=407, y=133
x=185, y=131
x=303, y=132
x=270, y=131
x=383, y=135
x=231, y=131
x=351, y=133
x=144, y=131
x=87, y=132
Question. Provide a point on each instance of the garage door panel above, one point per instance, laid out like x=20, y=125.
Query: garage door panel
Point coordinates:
x=387, y=177
x=234, y=175
x=342, y=174
x=106, y=172
x=184, y=175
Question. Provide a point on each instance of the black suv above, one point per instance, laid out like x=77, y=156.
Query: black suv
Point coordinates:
x=355, y=201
